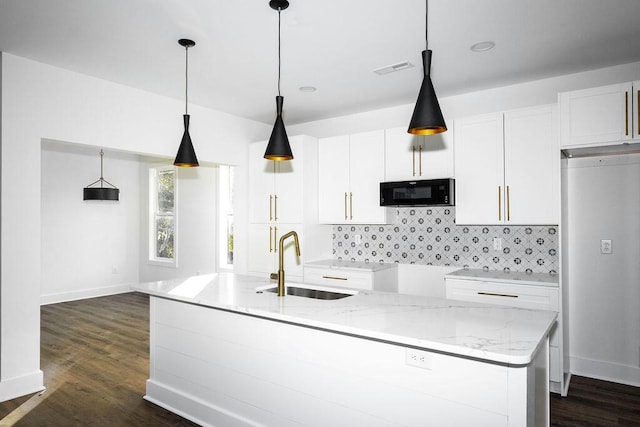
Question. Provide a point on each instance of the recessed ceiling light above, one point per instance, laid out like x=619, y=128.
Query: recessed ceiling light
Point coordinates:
x=307, y=89
x=393, y=67
x=483, y=46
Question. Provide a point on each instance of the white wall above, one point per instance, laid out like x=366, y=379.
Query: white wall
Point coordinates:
x=45, y=102
x=89, y=248
x=604, y=295
x=196, y=223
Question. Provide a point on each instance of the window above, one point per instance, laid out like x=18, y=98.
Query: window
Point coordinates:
x=225, y=215
x=162, y=215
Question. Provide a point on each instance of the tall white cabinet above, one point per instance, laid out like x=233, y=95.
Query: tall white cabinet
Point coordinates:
x=507, y=167
x=351, y=168
x=283, y=197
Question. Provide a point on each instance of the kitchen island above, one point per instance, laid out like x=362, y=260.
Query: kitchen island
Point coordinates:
x=225, y=352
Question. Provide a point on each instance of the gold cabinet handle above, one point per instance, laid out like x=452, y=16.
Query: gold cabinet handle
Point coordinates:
x=626, y=113
x=270, y=239
x=420, y=159
x=275, y=239
x=491, y=294
x=350, y=205
x=413, y=165
x=270, y=207
x=508, y=204
x=334, y=278
x=345, y=207
x=275, y=208
x=499, y=203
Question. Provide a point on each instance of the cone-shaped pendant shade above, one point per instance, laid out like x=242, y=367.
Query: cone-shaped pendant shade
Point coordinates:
x=278, y=147
x=427, y=117
x=186, y=156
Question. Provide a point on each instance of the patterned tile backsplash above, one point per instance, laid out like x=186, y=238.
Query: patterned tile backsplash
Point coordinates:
x=429, y=235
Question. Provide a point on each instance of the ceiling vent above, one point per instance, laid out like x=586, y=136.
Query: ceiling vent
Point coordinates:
x=393, y=67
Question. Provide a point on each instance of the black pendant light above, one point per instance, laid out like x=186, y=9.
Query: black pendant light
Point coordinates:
x=278, y=147
x=427, y=117
x=186, y=156
x=101, y=192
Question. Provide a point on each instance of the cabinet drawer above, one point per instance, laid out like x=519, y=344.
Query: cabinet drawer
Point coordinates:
x=523, y=296
x=340, y=278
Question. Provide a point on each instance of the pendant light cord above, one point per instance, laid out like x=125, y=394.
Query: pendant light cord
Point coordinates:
x=279, y=61
x=186, y=79
x=426, y=24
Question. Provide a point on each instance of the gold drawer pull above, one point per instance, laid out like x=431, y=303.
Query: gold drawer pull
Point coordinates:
x=334, y=278
x=413, y=149
x=491, y=294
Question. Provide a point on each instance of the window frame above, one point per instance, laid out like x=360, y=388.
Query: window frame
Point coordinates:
x=153, y=213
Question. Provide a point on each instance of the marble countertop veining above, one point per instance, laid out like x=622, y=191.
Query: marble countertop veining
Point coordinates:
x=487, y=332
x=536, y=279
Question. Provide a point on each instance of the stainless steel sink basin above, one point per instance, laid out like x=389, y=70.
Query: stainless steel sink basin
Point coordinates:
x=311, y=292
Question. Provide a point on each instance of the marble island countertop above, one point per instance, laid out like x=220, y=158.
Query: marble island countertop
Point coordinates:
x=487, y=332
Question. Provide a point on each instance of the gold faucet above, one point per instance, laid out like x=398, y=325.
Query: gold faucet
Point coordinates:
x=281, y=259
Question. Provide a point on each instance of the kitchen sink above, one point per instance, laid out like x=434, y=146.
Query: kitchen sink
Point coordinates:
x=315, y=292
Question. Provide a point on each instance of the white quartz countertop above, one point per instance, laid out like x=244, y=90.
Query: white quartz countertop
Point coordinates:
x=536, y=279
x=351, y=265
x=493, y=333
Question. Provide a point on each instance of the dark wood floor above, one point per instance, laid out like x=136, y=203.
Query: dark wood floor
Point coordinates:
x=95, y=357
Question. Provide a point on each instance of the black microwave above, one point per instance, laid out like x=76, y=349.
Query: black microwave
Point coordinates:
x=426, y=192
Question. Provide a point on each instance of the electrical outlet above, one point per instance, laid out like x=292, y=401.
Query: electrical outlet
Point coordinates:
x=605, y=246
x=419, y=358
x=358, y=239
x=114, y=270
x=497, y=244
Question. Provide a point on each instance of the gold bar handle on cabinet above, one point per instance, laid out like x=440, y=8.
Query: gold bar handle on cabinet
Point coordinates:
x=345, y=207
x=491, y=294
x=270, y=239
x=413, y=149
x=626, y=113
x=508, y=205
x=275, y=208
x=499, y=203
x=275, y=239
x=334, y=278
x=350, y=205
x=270, y=208
x=420, y=160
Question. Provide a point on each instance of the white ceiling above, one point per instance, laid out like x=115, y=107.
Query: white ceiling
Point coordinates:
x=333, y=46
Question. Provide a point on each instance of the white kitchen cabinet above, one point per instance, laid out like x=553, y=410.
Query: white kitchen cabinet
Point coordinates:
x=605, y=115
x=530, y=295
x=353, y=274
x=351, y=169
x=276, y=186
x=264, y=252
x=507, y=168
x=283, y=196
x=409, y=156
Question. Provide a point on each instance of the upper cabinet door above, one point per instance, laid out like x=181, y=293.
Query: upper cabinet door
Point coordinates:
x=597, y=116
x=532, y=166
x=410, y=156
x=366, y=166
x=261, y=187
x=479, y=169
x=333, y=179
x=289, y=180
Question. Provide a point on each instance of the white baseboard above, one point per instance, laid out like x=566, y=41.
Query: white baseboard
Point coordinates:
x=191, y=408
x=622, y=374
x=10, y=388
x=84, y=293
